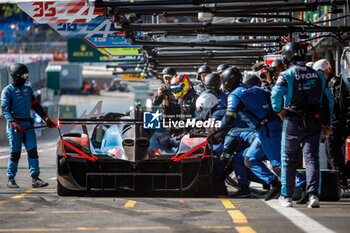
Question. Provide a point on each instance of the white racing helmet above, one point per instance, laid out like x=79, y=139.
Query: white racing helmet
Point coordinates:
x=205, y=103
x=322, y=65
x=310, y=64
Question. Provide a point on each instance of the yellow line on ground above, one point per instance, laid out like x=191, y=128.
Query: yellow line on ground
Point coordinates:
x=3, y=202
x=119, y=211
x=112, y=228
x=81, y=212
x=245, y=229
x=228, y=204
x=130, y=203
x=21, y=212
x=237, y=216
x=53, y=178
x=23, y=194
x=180, y=210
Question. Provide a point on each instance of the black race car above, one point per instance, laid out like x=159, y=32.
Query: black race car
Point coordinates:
x=123, y=158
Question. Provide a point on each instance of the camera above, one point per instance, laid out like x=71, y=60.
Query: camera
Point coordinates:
x=266, y=70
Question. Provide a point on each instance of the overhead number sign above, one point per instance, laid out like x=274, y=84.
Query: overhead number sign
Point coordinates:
x=75, y=18
x=73, y=11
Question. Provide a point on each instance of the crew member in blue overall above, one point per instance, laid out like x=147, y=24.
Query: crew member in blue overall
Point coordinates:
x=16, y=100
x=202, y=72
x=252, y=153
x=253, y=105
x=308, y=107
x=206, y=106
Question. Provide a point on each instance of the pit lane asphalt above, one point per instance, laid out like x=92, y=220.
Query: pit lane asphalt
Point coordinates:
x=41, y=210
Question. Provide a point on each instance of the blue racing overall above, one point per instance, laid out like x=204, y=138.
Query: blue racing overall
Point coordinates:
x=253, y=105
x=16, y=103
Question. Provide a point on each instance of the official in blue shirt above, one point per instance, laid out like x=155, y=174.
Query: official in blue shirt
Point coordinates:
x=307, y=107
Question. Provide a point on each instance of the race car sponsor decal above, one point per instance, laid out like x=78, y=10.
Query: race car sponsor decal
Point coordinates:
x=83, y=155
x=152, y=120
x=74, y=11
x=188, y=154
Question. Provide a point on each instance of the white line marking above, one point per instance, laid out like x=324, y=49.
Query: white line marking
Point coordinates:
x=299, y=219
x=39, y=151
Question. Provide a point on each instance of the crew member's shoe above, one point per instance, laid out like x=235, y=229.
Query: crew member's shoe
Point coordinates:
x=344, y=193
x=313, y=202
x=274, y=190
x=285, y=201
x=37, y=182
x=244, y=192
x=12, y=183
x=304, y=196
x=266, y=186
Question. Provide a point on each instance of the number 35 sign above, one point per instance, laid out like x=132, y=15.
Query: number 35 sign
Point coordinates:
x=74, y=11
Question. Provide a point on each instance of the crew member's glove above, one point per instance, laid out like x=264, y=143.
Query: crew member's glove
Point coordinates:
x=49, y=122
x=18, y=128
x=217, y=136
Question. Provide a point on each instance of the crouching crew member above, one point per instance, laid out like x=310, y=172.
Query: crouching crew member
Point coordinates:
x=16, y=101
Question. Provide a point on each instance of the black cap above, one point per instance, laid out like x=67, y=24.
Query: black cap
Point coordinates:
x=169, y=71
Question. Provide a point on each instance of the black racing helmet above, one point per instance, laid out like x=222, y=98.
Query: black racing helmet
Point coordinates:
x=222, y=67
x=19, y=73
x=231, y=78
x=212, y=82
x=202, y=69
x=251, y=80
x=169, y=71
x=293, y=51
